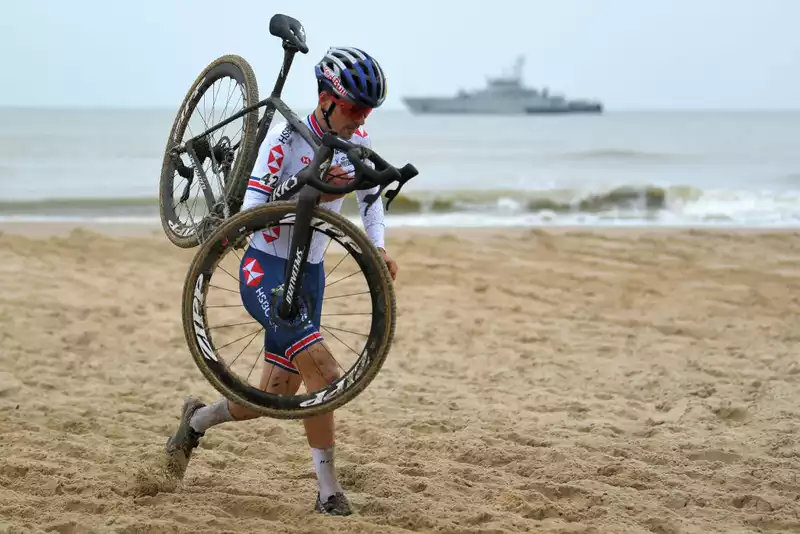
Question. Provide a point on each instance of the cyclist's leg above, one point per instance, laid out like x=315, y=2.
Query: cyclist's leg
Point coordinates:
x=260, y=273
x=311, y=356
x=278, y=374
x=315, y=362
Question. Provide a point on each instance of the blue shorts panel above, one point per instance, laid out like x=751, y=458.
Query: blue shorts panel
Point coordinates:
x=259, y=274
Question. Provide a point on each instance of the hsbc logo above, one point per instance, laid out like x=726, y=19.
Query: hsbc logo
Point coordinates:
x=337, y=83
x=275, y=159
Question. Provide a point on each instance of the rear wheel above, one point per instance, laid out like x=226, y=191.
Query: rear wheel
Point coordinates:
x=228, y=353
x=193, y=192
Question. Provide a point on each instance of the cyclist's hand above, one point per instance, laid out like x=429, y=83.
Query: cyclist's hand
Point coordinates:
x=336, y=176
x=390, y=263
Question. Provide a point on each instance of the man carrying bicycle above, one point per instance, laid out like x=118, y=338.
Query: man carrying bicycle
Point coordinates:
x=350, y=84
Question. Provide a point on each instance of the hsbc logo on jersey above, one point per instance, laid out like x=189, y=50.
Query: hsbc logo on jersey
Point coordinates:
x=285, y=134
x=337, y=83
x=252, y=272
x=305, y=160
x=275, y=159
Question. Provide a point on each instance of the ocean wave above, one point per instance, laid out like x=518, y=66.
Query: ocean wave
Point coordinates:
x=635, y=198
x=623, y=202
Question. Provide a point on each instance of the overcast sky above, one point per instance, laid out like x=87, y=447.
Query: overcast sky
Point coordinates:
x=631, y=54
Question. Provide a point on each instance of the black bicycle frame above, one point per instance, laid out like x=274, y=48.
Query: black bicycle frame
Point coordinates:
x=308, y=195
x=308, y=199
x=272, y=103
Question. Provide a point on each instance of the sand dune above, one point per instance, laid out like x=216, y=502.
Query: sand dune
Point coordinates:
x=540, y=381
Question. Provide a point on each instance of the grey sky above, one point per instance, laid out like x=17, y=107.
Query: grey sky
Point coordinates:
x=632, y=54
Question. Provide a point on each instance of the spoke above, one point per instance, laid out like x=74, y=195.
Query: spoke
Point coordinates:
x=343, y=343
x=255, y=362
x=358, y=313
x=337, y=265
x=340, y=279
x=223, y=288
x=334, y=357
x=230, y=325
x=343, y=330
x=245, y=348
x=229, y=274
x=347, y=295
x=241, y=338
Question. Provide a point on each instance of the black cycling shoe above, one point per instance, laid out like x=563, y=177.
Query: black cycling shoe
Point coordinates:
x=181, y=444
x=337, y=504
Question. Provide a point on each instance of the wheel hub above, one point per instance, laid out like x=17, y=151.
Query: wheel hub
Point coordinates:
x=298, y=317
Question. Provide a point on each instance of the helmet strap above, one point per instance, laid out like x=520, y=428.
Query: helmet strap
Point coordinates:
x=326, y=113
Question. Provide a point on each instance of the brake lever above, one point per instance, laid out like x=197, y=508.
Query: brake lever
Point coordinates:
x=370, y=199
x=407, y=172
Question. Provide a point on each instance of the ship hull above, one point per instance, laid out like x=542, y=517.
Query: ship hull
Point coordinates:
x=496, y=107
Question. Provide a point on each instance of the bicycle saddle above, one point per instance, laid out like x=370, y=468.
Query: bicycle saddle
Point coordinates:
x=290, y=30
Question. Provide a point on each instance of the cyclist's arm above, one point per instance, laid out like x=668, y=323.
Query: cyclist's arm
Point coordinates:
x=374, y=218
x=268, y=171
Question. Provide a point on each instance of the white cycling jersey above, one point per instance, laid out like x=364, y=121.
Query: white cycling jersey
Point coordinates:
x=281, y=156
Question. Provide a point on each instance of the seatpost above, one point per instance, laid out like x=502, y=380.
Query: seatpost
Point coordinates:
x=288, y=56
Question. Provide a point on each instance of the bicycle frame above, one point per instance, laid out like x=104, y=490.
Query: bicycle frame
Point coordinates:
x=308, y=197
x=306, y=202
x=271, y=103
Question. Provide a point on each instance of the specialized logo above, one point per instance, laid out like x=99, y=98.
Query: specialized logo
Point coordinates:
x=252, y=272
x=295, y=273
x=275, y=159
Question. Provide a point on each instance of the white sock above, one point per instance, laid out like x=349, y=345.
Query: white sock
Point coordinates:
x=210, y=415
x=326, y=473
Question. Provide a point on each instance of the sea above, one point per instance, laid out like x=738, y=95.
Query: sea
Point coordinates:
x=624, y=168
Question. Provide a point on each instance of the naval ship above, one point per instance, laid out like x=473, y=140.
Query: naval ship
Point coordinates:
x=505, y=94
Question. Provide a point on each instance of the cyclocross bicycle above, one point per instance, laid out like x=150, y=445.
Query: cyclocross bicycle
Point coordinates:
x=224, y=229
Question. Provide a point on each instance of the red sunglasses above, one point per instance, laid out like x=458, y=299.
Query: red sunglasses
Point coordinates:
x=354, y=111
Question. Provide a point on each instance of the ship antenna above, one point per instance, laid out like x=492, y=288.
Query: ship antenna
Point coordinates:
x=518, y=67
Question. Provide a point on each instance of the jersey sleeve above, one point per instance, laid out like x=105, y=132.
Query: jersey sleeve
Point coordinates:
x=373, y=219
x=270, y=166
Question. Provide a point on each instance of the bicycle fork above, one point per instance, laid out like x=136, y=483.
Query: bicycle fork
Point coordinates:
x=301, y=242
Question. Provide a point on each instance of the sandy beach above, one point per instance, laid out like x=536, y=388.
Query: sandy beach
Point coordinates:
x=564, y=380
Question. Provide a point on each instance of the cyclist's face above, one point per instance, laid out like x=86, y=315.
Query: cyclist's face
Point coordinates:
x=346, y=117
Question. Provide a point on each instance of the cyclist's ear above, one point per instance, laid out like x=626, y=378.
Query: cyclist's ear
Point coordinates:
x=325, y=98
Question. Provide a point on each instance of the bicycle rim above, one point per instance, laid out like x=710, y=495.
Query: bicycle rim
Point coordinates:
x=184, y=223
x=214, y=367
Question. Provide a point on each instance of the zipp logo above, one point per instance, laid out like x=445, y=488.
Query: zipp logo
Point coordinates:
x=329, y=229
x=199, y=323
x=336, y=389
x=189, y=102
x=180, y=230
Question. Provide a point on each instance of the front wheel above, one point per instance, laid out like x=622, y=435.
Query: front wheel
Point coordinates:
x=228, y=353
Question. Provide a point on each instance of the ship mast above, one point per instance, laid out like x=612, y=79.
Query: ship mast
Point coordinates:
x=517, y=72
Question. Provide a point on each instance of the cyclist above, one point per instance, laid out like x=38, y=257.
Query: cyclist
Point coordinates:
x=350, y=84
